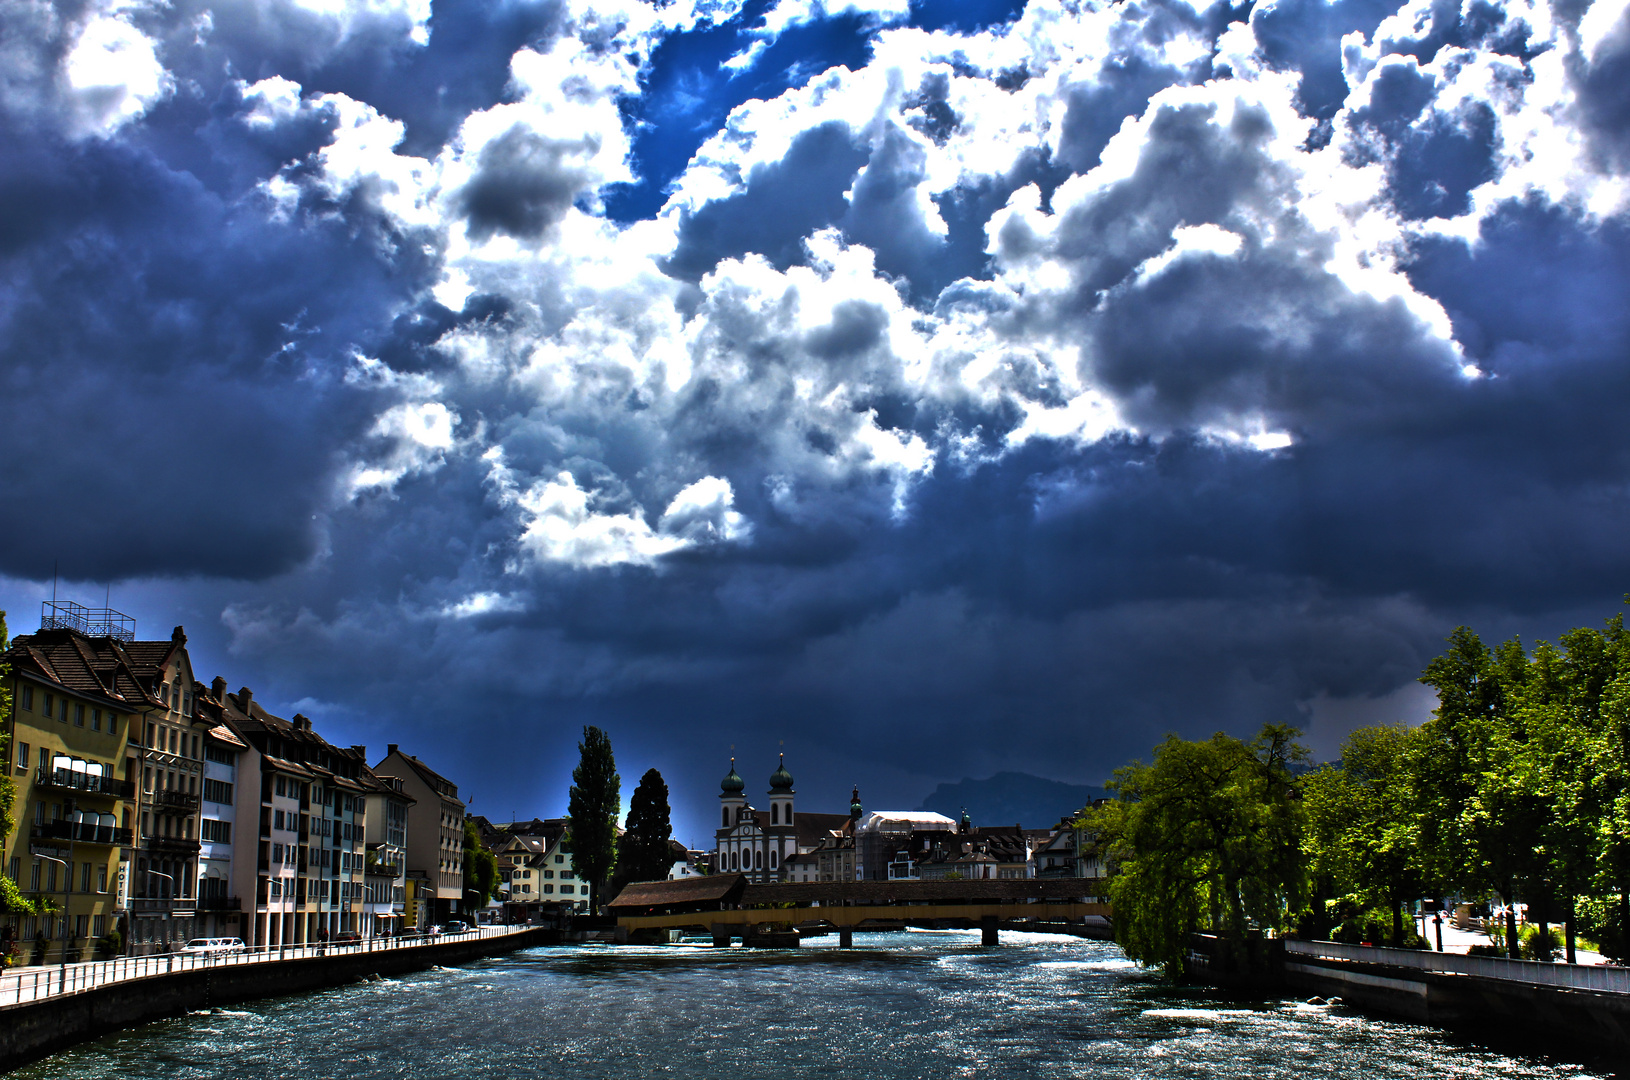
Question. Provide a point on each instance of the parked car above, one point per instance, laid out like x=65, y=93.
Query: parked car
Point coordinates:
x=347, y=937
x=456, y=926
x=212, y=946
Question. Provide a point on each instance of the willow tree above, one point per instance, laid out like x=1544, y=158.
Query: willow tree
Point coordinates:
x=1206, y=838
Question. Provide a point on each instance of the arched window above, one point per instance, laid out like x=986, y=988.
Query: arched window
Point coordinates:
x=726, y=814
x=789, y=815
x=735, y=860
x=758, y=859
x=772, y=860
x=775, y=813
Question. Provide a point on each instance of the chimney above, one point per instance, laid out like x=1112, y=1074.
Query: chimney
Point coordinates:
x=179, y=636
x=218, y=688
x=390, y=748
x=244, y=698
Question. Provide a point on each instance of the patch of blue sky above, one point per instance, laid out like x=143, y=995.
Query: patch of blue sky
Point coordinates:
x=687, y=90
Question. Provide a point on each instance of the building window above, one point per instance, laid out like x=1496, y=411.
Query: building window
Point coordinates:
x=102, y=883
x=79, y=715
x=34, y=876
x=85, y=877
x=96, y=719
x=82, y=926
x=775, y=813
x=216, y=832
x=566, y=889
x=560, y=859
x=14, y=870
x=772, y=860
x=50, y=699
x=22, y=757
x=220, y=756
x=99, y=924
x=26, y=698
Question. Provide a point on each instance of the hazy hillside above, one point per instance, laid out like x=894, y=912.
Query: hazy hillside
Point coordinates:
x=1011, y=797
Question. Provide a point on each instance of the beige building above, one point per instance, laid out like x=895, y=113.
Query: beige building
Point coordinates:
x=435, y=831
x=168, y=745
x=75, y=697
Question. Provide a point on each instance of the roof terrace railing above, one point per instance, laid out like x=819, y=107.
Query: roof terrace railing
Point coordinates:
x=92, y=622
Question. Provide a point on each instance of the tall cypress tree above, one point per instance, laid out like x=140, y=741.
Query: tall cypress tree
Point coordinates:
x=596, y=791
x=642, y=853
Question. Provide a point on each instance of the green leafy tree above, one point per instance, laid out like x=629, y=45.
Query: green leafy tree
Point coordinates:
x=1363, y=836
x=12, y=900
x=481, y=878
x=595, y=795
x=642, y=851
x=1206, y=838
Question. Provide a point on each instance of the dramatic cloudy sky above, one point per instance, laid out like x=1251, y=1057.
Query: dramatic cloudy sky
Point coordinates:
x=936, y=388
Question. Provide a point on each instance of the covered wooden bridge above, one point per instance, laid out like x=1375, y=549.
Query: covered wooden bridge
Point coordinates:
x=727, y=905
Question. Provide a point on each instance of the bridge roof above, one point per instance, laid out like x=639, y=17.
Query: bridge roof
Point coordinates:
x=886, y=892
x=708, y=891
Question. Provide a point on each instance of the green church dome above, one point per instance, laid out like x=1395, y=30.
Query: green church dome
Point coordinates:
x=732, y=784
x=781, y=779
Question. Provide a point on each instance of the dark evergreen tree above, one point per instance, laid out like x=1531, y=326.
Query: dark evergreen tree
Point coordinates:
x=642, y=852
x=596, y=792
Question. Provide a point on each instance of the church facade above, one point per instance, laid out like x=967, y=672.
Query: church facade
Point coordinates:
x=759, y=842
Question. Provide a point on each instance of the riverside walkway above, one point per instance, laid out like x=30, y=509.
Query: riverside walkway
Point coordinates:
x=25, y=986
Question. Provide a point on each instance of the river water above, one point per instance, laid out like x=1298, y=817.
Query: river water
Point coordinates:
x=904, y=1005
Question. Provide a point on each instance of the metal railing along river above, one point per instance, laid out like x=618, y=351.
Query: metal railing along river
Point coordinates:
x=1614, y=980
x=22, y=986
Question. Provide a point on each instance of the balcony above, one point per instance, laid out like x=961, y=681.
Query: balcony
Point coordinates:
x=168, y=845
x=90, y=784
x=173, y=800
x=219, y=903
x=80, y=832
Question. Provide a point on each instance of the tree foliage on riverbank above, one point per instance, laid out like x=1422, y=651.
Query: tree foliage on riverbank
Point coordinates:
x=1517, y=789
x=1206, y=838
x=592, y=806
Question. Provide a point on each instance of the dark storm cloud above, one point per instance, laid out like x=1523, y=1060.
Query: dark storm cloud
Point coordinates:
x=825, y=501
x=780, y=204
x=523, y=185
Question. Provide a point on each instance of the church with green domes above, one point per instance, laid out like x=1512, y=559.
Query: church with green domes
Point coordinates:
x=765, y=844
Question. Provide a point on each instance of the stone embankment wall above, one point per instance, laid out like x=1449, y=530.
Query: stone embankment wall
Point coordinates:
x=32, y=1031
x=1558, y=1019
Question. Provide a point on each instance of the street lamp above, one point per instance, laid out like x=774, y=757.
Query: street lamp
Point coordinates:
x=67, y=887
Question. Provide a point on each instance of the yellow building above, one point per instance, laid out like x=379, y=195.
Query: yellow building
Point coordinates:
x=75, y=697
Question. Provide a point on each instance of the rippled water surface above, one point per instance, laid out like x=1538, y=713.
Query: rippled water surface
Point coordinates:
x=908, y=1005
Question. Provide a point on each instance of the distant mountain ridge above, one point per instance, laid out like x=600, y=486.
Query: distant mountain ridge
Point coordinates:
x=1011, y=798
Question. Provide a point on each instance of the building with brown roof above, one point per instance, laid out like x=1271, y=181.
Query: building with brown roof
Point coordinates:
x=307, y=799
x=75, y=696
x=435, y=835
x=168, y=747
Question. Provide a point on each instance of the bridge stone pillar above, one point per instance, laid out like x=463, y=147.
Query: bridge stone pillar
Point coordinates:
x=846, y=937
x=987, y=930
x=721, y=935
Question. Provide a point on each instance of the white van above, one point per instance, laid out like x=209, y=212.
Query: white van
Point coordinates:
x=213, y=946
